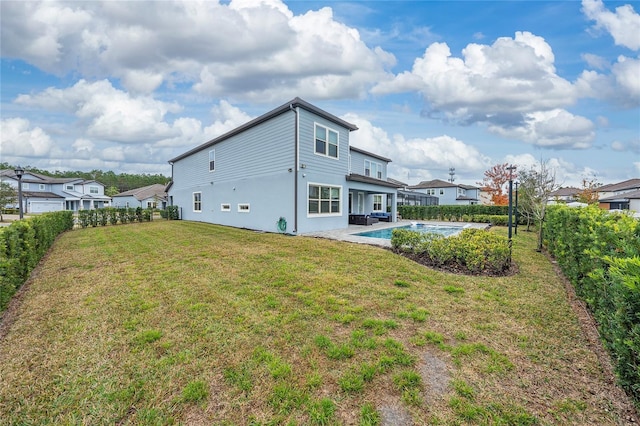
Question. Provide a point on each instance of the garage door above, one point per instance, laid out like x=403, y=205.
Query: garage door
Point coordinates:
x=45, y=206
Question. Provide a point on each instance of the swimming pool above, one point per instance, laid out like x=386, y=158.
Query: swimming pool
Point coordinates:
x=445, y=230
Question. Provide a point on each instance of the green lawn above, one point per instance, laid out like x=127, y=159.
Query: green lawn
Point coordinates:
x=188, y=323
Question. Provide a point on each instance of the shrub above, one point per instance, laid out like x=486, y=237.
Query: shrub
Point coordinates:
x=475, y=250
x=470, y=213
x=23, y=244
x=599, y=252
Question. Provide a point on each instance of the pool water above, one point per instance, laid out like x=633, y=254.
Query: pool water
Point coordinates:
x=420, y=227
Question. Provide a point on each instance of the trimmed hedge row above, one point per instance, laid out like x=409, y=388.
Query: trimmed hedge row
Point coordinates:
x=451, y=213
x=171, y=213
x=23, y=244
x=474, y=250
x=112, y=215
x=599, y=252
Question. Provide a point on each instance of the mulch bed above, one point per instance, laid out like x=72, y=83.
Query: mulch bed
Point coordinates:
x=456, y=268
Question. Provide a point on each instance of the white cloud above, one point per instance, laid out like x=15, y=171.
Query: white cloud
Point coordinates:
x=420, y=155
x=551, y=129
x=595, y=61
x=19, y=138
x=495, y=83
x=621, y=86
x=107, y=112
x=252, y=50
x=623, y=25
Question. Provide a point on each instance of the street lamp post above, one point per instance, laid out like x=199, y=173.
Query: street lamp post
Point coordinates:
x=515, y=228
x=19, y=171
x=510, y=223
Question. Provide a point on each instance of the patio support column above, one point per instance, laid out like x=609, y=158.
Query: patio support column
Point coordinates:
x=394, y=206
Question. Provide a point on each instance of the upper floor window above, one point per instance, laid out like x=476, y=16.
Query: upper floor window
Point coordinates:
x=197, y=201
x=69, y=187
x=372, y=169
x=431, y=191
x=442, y=192
x=25, y=186
x=41, y=187
x=212, y=160
x=94, y=190
x=326, y=141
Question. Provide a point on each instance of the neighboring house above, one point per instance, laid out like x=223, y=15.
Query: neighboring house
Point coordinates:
x=408, y=197
x=42, y=193
x=290, y=170
x=615, y=196
x=625, y=201
x=564, y=195
x=448, y=193
x=152, y=196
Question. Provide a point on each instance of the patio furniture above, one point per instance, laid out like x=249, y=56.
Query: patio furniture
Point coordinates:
x=382, y=216
x=361, y=219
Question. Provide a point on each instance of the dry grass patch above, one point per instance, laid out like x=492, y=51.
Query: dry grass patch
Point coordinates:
x=183, y=322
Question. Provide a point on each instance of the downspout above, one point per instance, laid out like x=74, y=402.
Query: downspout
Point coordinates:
x=296, y=168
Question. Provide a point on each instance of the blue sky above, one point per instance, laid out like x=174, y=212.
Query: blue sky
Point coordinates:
x=126, y=86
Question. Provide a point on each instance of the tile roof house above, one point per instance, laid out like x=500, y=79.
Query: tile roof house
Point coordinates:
x=289, y=170
x=449, y=193
x=151, y=196
x=620, y=196
x=564, y=194
x=41, y=194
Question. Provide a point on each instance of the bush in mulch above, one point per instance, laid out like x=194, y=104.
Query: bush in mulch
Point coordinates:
x=471, y=252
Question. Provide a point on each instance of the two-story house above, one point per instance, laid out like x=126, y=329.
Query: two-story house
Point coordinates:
x=448, y=193
x=620, y=196
x=289, y=170
x=41, y=194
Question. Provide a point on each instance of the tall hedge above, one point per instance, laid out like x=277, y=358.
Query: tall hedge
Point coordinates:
x=451, y=213
x=599, y=252
x=23, y=244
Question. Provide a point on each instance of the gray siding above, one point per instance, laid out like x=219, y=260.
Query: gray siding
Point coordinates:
x=321, y=170
x=251, y=167
x=357, y=164
x=257, y=166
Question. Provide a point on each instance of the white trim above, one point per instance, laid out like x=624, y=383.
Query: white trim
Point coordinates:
x=374, y=202
x=214, y=160
x=193, y=201
x=244, y=210
x=340, y=200
x=42, y=187
x=337, y=157
x=225, y=207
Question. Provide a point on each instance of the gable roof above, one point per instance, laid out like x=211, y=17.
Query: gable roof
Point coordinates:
x=439, y=183
x=145, y=192
x=631, y=195
x=371, y=154
x=289, y=106
x=565, y=191
x=621, y=186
